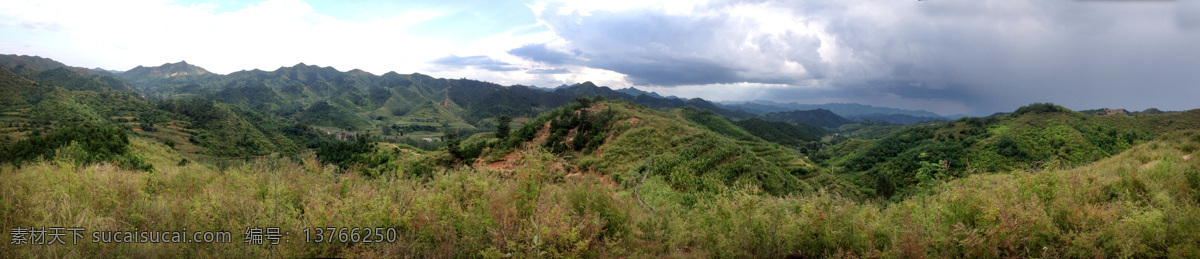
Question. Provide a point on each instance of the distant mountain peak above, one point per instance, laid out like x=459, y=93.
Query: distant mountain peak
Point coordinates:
x=166, y=70
x=359, y=72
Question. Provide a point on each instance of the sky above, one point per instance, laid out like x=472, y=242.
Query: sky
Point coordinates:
x=973, y=57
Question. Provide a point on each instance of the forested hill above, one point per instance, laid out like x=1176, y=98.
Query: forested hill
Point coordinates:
x=49, y=72
x=391, y=98
x=697, y=150
x=819, y=117
x=852, y=111
x=46, y=106
x=1033, y=137
x=841, y=109
x=894, y=118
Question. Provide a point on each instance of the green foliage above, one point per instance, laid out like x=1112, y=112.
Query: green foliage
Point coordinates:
x=231, y=131
x=82, y=144
x=1037, y=136
x=572, y=128
x=819, y=117
x=610, y=178
x=503, y=127
x=452, y=145
x=710, y=120
x=345, y=154
x=325, y=114
x=677, y=144
x=1008, y=147
x=1141, y=202
x=1037, y=108
x=781, y=132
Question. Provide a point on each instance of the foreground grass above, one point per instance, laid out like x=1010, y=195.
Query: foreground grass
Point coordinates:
x=1140, y=203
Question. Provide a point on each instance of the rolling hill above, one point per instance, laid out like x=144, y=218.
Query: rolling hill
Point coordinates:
x=380, y=100
x=695, y=150
x=819, y=117
x=1033, y=137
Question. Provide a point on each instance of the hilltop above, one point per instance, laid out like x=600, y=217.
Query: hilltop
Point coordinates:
x=182, y=68
x=697, y=150
x=819, y=117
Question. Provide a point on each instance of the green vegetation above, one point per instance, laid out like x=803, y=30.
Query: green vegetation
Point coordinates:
x=819, y=117
x=627, y=141
x=82, y=144
x=609, y=175
x=782, y=132
x=1140, y=203
x=231, y=131
x=324, y=113
x=503, y=127
x=1033, y=138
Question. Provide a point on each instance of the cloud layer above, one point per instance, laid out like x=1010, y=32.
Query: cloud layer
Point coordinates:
x=960, y=56
x=973, y=57
x=264, y=35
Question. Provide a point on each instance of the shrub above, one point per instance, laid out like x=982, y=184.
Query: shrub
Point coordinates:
x=502, y=127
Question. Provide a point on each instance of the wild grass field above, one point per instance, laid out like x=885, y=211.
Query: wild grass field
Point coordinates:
x=1141, y=203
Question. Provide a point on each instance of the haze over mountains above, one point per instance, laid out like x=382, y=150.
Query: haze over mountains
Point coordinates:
x=168, y=80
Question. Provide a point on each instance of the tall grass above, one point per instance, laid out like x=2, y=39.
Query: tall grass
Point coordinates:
x=1140, y=203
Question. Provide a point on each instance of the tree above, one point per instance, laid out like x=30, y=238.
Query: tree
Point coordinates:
x=502, y=127
x=584, y=101
x=452, y=145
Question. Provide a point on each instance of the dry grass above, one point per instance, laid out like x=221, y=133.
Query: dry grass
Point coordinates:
x=1116, y=207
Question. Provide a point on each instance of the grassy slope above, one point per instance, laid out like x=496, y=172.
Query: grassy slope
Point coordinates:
x=678, y=144
x=1140, y=203
x=889, y=166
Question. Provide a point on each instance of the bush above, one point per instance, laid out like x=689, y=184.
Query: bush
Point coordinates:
x=503, y=127
x=344, y=154
x=1037, y=108
x=85, y=143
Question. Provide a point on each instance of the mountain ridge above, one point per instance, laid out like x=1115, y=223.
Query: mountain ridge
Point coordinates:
x=842, y=109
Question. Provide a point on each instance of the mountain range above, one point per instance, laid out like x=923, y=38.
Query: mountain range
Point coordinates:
x=853, y=111
x=581, y=171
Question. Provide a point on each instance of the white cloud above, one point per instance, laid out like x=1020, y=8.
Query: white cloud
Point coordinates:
x=987, y=54
x=266, y=35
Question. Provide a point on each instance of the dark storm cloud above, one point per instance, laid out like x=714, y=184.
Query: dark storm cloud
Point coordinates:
x=917, y=90
x=987, y=55
x=481, y=62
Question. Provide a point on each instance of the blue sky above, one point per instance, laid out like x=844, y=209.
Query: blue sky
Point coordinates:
x=949, y=57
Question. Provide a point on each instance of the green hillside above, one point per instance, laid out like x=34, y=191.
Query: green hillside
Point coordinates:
x=697, y=151
x=819, y=117
x=374, y=101
x=35, y=107
x=782, y=132
x=1034, y=137
x=1141, y=202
